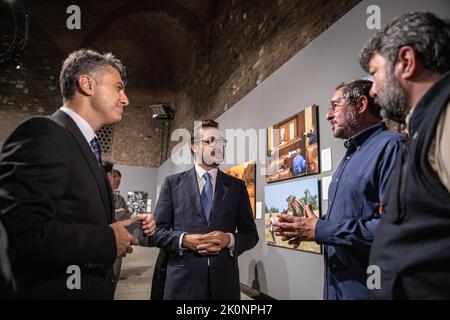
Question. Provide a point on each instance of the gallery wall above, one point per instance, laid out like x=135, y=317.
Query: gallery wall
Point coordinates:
x=308, y=78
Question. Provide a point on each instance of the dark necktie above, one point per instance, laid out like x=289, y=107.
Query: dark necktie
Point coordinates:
x=207, y=195
x=97, y=151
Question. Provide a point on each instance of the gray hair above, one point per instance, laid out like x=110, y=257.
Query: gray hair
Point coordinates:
x=423, y=31
x=358, y=88
x=85, y=62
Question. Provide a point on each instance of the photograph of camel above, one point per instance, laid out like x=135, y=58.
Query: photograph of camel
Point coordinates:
x=290, y=198
x=246, y=172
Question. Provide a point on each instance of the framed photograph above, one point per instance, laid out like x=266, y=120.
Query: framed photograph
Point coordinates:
x=246, y=172
x=293, y=146
x=290, y=198
x=137, y=201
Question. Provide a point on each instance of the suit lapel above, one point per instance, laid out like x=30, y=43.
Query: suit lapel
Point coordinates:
x=100, y=177
x=221, y=190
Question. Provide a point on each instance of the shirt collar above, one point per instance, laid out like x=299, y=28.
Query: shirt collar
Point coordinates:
x=82, y=124
x=200, y=172
x=408, y=117
x=360, y=138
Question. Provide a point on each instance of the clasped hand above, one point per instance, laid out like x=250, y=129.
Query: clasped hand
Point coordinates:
x=207, y=244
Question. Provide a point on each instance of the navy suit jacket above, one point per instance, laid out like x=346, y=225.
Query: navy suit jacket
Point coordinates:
x=179, y=209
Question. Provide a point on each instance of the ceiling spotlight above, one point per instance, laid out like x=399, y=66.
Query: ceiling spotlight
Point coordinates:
x=16, y=63
x=161, y=111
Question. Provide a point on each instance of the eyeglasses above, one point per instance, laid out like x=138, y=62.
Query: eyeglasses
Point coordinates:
x=335, y=104
x=211, y=141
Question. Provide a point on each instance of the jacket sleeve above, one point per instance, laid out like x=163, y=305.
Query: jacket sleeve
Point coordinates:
x=34, y=174
x=7, y=283
x=246, y=236
x=165, y=237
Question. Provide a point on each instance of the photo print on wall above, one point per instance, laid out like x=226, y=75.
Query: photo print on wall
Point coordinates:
x=293, y=146
x=290, y=198
x=246, y=172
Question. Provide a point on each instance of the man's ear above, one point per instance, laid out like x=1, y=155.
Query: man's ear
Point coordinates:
x=86, y=84
x=407, y=63
x=362, y=104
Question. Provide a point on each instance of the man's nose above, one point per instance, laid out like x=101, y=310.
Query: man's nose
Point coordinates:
x=124, y=100
x=373, y=92
x=330, y=115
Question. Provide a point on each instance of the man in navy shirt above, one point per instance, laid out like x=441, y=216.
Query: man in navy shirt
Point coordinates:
x=354, y=195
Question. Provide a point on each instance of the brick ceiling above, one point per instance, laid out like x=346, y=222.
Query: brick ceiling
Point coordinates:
x=201, y=56
x=156, y=39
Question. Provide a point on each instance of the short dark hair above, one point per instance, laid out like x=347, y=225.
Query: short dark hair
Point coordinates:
x=355, y=89
x=118, y=172
x=428, y=35
x=208, y=123
x=108, y=166
x=85, y=62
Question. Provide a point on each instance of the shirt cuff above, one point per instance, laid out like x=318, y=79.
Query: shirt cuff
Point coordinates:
x=180, y=244
x=322, y=231
x=231, y=244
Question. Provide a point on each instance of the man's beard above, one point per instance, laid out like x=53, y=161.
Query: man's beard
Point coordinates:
x=349, y=125
x=213, y=160
x=392, y=99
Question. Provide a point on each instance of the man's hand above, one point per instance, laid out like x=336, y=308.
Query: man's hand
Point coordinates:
x=191, y=241
x=214, y=242
x=206, y=244
x=124, y=240
x=217, y=235
x=296, y=229
x=148, y=223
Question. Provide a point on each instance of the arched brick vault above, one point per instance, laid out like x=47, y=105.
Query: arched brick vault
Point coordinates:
x=160, y=45
x=202, y=56
x=171, y=8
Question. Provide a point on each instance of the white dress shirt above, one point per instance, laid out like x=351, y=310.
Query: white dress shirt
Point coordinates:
x=82, y=124
x=202, y=181
x=201, y=184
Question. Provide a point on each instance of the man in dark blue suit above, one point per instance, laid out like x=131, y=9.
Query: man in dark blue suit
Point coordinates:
x=204, y=222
